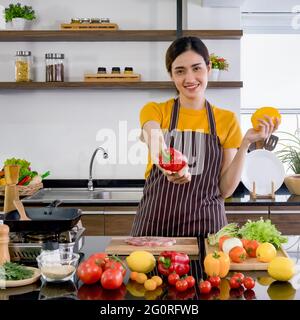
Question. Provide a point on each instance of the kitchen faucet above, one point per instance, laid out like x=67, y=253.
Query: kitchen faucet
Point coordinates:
x=105, y=156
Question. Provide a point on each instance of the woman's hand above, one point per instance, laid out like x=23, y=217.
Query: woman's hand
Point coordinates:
x=267, y=127
x=180, y=177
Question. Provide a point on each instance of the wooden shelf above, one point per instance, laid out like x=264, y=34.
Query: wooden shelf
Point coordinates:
x=118, y=35
x=107, y=85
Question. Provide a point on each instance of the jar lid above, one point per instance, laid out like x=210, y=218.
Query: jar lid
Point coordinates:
x=54, y=56
x=105, y=20
x=115, y=69
x=128, y=69
x=23, y=53
x=50, y=245
x=101, y=69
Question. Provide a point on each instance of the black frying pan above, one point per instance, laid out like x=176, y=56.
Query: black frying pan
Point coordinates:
x=49, y=219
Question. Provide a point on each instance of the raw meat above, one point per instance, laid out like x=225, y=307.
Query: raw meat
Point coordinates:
x=151, y=241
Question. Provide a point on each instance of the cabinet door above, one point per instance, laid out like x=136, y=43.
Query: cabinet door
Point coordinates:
x=240, y=214
x=92, y=220
x=286, y=219
x=118, y=220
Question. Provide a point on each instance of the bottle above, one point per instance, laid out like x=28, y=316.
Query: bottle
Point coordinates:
x=23, y=66
x=4, y=239
x=54, y=67
x=50, y=253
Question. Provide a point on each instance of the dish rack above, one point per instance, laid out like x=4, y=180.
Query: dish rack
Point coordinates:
x=271, y=195
x=24, y=190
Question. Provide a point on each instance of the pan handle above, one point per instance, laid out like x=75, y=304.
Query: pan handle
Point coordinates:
x=52, y=206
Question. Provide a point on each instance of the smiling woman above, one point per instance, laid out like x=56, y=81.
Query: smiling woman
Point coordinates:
x=190, y=202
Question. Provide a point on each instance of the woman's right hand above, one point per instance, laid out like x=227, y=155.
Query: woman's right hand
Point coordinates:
x=180, y=177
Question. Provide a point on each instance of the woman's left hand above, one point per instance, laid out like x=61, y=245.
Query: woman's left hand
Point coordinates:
x=267, y=127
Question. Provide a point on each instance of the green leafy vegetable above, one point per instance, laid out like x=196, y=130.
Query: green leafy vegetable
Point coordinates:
x=230, y=230
x=262, y=231
x=14, y=271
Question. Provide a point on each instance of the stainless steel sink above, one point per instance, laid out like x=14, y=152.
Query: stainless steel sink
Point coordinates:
x=78, y=195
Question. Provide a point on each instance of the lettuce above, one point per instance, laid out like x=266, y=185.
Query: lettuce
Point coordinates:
x=262, y=231
x=24, y=164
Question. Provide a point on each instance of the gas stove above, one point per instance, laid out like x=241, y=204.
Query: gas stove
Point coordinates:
x=24, y=247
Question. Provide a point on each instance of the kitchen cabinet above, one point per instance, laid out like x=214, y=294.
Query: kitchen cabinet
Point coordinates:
x=286, y=219
x=240, y=214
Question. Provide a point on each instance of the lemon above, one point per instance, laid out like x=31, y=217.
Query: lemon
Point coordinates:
x=281, y=291
x=265, y=252
x=141, y=261
x=264, y=111
x=281, y=268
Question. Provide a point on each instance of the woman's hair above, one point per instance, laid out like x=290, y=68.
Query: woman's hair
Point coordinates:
x=183, y=44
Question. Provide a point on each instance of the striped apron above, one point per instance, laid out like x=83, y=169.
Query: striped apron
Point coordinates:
x=191, y=209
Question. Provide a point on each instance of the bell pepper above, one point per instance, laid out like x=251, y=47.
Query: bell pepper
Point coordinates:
x=172, y=160
x=217, y=264
x=173, y=261
x=24, y=181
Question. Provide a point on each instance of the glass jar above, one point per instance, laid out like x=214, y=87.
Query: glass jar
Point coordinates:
x=54, y=67
x=23, y=66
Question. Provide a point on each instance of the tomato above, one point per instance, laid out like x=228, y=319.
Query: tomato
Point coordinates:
x=236, y=292
x=204, y=286
x=235, y=282
x=239, y=275
x=117, y=294
x=89, y=272
x=238, y=254
x=113, y=264
x=251, y=247
x=111, y=279
x=215, y=292
x=186, y=295
x=190, y=280
x=99, y=258
x=249, y=294
x=214, y=281
x=181, y=285
x=90, y=292
x=221, y=240
x=249, y=283
x=173, y=278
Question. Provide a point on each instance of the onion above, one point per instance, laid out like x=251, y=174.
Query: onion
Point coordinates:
x=228, y=244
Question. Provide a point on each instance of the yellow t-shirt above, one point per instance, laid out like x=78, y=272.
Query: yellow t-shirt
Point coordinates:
x=227, y=126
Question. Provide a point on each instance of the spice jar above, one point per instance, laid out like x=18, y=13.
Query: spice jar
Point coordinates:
x=128, y=70
x=4, y=239
x=115, y=70
x=23, y=66
x=51, y=252
x=101, y=70
x=54, y=67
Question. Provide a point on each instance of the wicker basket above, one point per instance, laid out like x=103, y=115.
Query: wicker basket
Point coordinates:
x=24, y=190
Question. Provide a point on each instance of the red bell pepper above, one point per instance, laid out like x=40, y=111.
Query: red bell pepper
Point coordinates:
x=172, y=160
x=24, y=181
x=173, y=261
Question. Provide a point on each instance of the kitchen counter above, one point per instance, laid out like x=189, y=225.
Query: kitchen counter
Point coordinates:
x=265, y=288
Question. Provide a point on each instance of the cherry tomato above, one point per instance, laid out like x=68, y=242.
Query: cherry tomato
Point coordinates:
x=215, y=292
x=249, y=283
x=173, y=278
x=113, y=264
x=205, y=286
x=181, y=285
x=89, y=272
x=249, y=294
x=111, y=279
x=100, y=258
x=214, y=281
x=190, y=280
x=239, y=275
x=235, y=282
x=236, y=292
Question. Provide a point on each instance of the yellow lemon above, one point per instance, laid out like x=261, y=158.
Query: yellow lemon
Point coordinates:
x=141, y=261
x=265, y=252
x=264, y=111
x=281, y=291
x=281, y=268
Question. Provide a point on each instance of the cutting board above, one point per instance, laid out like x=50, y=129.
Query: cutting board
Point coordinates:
x=249, y=263
x=118, y=246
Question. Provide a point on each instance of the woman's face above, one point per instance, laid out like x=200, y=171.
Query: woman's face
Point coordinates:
x=190, y=74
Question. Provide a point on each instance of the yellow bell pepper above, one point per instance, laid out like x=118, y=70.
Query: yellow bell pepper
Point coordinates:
x=217, y=264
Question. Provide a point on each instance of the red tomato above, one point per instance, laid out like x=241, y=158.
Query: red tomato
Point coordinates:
x=245, y=242
x=238, y=254
x=117, y=294
x=181, y=285
x=249, y=294
x=113, y=264
x=221, y=240
x=239, y=275
x=89, y=272
x=249, y=283
x=204, y=286
x=90, y=292
x=251, y=247
x=111, y=279
x=236, y=292
x=214, y=281
x=100, y=258
x=173, y=278
x=235, y=282
x=190, y=280
x=186, y=295
x=215, y=292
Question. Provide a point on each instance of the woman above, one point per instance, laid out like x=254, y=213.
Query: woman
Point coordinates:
x=191, y=201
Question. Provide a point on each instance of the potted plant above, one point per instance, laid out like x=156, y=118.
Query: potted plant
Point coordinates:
x=217, y=64
x=290, y=155
x=18, y=15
